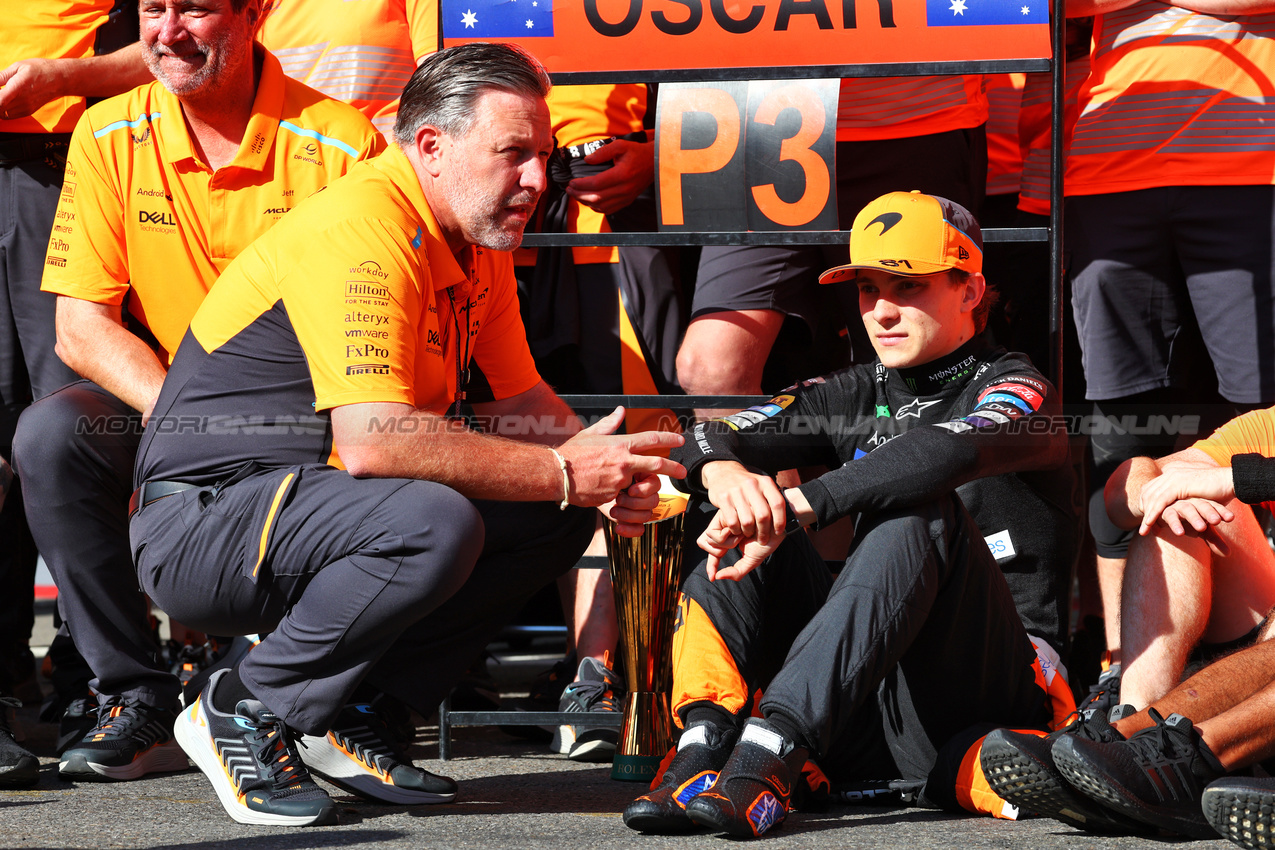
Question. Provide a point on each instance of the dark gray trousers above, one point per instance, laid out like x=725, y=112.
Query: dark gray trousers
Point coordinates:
x=75, y=449
x=397, y=582
x=29, y=368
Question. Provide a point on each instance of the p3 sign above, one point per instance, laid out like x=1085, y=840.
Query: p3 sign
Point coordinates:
x=757, y=155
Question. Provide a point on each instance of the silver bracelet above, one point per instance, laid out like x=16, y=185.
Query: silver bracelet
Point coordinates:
x=566, y=481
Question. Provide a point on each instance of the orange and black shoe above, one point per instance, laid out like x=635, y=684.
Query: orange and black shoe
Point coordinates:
x=130, y=740
x=754, y=791
x=701, y=752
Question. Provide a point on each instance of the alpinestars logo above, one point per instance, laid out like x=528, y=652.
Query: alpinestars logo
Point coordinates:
x=914, y=408
x=765, y=812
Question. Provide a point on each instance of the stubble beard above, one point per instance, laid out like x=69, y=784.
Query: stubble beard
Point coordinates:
x=474, y=209
x=217, y=55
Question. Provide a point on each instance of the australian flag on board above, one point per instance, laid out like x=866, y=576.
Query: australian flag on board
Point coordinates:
x=958, y=13
x=499, y=18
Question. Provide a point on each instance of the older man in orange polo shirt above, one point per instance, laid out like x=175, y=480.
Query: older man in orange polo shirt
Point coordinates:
x=164, y=186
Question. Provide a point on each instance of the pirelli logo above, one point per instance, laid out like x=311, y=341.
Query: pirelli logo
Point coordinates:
x=368, y=369
x=56, y=262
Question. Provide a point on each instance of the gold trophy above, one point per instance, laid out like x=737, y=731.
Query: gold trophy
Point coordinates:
x=645, y=574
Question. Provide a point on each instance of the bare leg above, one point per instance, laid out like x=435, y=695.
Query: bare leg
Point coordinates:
x=1110, y=577
x=724, y=353
x=1243, y=735
x=1181, y=590
x=1218, y=688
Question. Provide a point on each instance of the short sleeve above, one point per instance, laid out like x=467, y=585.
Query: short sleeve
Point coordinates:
x=422, y=23
x=1254, y=432
x=354, y=302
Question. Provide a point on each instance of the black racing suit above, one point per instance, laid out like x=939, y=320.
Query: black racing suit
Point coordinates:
x=932, y=460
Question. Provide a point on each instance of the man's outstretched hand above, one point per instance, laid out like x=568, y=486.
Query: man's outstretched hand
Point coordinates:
x=602, y=464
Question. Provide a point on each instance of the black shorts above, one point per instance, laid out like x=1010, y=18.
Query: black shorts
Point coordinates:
x=1144, y=261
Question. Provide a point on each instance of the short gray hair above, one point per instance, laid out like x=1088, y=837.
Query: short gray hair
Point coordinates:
x=445, y=88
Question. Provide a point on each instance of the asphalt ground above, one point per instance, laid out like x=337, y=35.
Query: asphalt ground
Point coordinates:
x=513, y=794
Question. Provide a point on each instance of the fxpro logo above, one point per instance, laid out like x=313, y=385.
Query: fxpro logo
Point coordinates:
x=368, y=350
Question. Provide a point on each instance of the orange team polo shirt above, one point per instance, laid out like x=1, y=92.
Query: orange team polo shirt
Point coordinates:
x=50, y=29
x=357, y=51
x=872, y=108
x=1175, y=98
x=142, y=221
x=346, y=301
x=1252, y=432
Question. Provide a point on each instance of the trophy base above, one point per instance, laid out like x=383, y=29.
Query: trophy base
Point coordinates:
x=635, y=768
x=645, y=738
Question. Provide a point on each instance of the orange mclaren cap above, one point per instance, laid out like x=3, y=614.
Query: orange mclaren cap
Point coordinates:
x=911, y=233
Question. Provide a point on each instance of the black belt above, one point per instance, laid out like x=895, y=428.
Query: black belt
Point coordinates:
x=17, y=148
x=152, y=491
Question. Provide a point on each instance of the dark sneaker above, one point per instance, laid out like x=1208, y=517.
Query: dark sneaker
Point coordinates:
x=1019, y=767
x=593, y=690
x=75, y=722
x=701, y=752
x=1157, y=776
x=358, y=755
x=18, y=768
x=1104, y=695
x=1243, y=810
x=251, y=759
x=752, y=794
x=130, y=740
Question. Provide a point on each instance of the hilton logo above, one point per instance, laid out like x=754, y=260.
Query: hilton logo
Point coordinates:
x=357, y=288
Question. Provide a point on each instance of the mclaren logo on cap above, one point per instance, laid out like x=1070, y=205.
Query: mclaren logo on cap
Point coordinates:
x=887, y=220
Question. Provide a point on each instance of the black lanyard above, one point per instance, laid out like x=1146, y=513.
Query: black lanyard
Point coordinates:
x=462, y=366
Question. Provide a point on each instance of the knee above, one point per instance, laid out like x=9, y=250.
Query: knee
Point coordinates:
x=46, y=436
x=442, y=523
x=928, y=519
x=704, y=367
